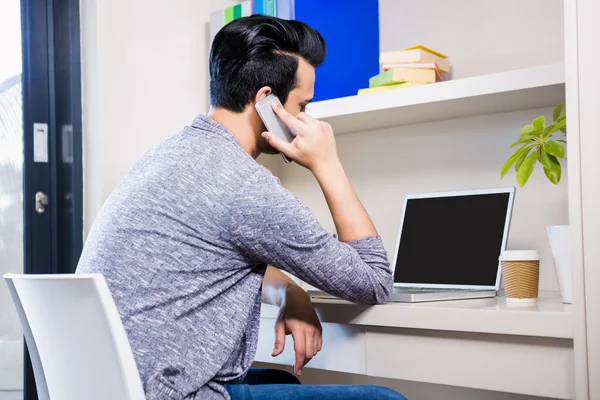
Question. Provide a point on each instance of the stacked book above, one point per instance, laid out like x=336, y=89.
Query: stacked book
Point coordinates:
x=220, y=18
x=275, y=8
x=418, y=65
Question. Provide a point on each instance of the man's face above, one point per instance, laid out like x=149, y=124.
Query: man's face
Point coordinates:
x=303, y=93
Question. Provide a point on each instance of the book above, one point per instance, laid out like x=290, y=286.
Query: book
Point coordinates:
x=398, y=75
x=427, y=65
x=220, y=18
x=427, y=49
x=416, y=54
x=285, y=9
x=390, y=87
x=354, y=34
x=264, y=7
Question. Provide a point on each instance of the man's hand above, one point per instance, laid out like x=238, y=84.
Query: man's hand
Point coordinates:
x=314, y=146
x=297, y=317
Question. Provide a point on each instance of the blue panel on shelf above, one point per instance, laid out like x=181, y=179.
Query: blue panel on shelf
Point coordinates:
x=257, y=6
x=264, y=7
x=351, y=30
x=285, y=9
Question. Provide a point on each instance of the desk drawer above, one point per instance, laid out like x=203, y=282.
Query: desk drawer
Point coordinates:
x=515, y=364
x=343, y=348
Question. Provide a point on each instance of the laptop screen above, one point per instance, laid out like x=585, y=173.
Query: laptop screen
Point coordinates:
x=454, y=240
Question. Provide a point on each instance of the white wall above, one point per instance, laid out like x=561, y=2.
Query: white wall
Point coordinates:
x=481, y=37
x=583, y=84
x=145, y=76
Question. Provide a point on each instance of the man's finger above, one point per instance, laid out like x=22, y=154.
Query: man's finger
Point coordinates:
x=304, y=117
x=288, y=118
x=320, y=342
x=310, y=347
x=280, y=145
x=300, y=349
x=279, y=338
x=317, y=338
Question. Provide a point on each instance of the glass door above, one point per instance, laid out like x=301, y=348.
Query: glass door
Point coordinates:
x=11, y=195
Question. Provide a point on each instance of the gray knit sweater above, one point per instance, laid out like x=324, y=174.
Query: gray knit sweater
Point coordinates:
x=183, y=242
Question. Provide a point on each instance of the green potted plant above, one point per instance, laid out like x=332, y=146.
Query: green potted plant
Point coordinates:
x=538, y=144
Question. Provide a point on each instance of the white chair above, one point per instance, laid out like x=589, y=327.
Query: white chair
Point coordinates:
x=77, y=343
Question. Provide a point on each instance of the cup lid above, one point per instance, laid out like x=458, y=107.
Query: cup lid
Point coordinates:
x=520, y=255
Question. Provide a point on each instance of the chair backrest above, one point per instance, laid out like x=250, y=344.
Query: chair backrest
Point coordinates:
x=77, y=343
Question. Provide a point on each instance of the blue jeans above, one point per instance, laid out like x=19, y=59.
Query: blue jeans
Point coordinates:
x=271, y=384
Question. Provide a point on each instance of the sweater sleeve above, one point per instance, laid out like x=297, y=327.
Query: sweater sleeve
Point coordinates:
x=270, y=225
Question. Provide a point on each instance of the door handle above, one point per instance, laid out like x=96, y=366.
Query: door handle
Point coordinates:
x=41, y=201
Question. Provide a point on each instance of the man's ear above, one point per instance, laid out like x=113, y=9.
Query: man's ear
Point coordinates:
x=262, y=93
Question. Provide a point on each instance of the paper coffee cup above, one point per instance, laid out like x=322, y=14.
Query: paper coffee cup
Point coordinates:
x=521, y=276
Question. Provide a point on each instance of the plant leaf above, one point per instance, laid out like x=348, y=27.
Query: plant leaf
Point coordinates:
x=553, y=128
x=561, y=124
x=523, y=140
x=521, y=159
x=526, y=169
x=563, y=141
x=539, y=123
x=554, y=148
x=527, y=130
x=564, y=128
x=558, y=110
x=552, y=167
x=509, y=163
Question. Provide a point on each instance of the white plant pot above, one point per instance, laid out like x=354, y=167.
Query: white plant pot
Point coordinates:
x=561, y=252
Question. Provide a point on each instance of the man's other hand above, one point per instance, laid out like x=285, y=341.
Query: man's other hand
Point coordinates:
x=297, y=317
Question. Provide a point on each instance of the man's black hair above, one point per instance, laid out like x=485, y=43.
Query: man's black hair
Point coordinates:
x=256, y=51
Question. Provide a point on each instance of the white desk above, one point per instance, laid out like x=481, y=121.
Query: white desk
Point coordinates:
x=478, y=344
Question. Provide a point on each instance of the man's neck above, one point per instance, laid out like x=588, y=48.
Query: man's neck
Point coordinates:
x=244, y=126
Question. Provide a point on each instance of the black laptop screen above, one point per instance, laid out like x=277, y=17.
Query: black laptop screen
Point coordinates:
x=453, y=240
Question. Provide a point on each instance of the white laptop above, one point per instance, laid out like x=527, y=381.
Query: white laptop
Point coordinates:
x=448, y=245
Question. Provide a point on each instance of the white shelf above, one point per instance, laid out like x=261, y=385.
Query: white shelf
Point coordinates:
x=487, y=94
x=550, y=318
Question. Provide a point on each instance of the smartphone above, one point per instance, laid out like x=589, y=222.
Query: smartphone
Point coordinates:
x=272, y=122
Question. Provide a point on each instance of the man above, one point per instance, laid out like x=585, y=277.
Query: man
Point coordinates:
x=185, y=239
